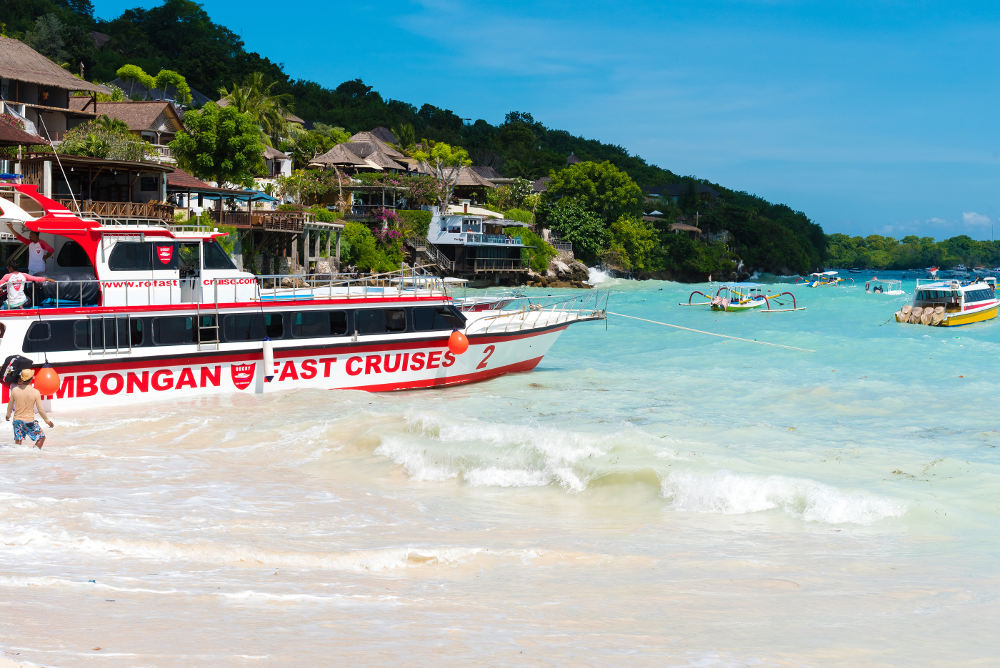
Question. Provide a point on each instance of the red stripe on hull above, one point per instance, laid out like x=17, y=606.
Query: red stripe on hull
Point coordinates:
x=526, y=365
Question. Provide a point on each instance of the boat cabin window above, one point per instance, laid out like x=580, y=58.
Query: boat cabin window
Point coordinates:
x=89, y=334
x=215, y=257
x=190, y=258
x=173, y=330
x=106, y=333
x=40, y=336
x=979, y=295
x=72, y=255
x=379, y=321
x=307, y=324
x=252, y=326
x=142, y=256
x=431, y=318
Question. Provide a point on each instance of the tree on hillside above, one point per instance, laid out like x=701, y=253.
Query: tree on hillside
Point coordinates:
x=47, y=38
x=633, y=241
x=579, y=226
x=304, y=145
x=599, y=187
x=268, y=108
x=446, y=163
x=178, y=34
x=220, y=144
x=134, y=75
x=166, y=78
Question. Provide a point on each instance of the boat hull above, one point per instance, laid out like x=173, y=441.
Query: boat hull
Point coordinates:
x=737, y=308
x=374, y=367
x=960, y=319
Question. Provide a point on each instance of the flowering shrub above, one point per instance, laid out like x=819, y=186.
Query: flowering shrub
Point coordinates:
x=387, y=236
x=386, y=216
x=10, y=119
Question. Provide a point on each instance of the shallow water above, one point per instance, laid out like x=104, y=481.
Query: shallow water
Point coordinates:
x=646, y=496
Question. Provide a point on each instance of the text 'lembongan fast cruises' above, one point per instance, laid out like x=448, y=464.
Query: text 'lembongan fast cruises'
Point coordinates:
x=150, y=312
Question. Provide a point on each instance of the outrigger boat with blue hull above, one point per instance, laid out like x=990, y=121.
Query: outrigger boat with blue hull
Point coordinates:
x=739, y=297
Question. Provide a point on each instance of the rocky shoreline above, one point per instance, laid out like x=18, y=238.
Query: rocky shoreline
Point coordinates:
x=561, y=274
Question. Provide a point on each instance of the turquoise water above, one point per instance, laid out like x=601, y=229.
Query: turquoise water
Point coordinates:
x=646, y=496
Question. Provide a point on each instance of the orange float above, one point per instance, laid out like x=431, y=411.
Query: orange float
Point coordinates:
x=47, y=380
x=457, y=342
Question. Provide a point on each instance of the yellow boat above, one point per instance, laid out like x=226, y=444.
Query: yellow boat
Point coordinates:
x=950, y=303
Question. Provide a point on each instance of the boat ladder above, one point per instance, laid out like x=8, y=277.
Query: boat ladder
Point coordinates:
x=208, y=328
x=110, y=334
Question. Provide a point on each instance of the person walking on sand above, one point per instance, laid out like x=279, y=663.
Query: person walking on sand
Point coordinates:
x=24, y=399
x=38, y=250
x=15, y=281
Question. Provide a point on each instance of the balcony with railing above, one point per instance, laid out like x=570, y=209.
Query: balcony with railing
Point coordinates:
x=163, y=153
x=152, y=211
x=265, y=221
x=487, y=265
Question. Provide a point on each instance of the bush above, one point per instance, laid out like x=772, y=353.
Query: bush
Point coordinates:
x=363, y=250
x=414, y=223
x=538, y=252
x=324, y=215
x=520, y=215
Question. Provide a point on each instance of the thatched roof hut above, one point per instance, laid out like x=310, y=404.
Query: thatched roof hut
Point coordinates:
x=22, y=63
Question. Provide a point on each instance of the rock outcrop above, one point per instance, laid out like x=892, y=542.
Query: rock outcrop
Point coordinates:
x=561, y=274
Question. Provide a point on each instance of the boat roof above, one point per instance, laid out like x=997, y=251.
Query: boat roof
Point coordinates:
x=824, y=273
x=60, y=221
x=951, y=284
x=741, y=285
x=10, y=212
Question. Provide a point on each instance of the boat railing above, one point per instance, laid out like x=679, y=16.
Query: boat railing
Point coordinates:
x=409, y=282
x=529, y=313
x=196, y=290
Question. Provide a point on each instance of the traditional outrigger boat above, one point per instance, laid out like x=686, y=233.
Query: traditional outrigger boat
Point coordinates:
x=818, y=279
x=140, y=312
x=884, y=286
x=950, y=303
x=739, y=297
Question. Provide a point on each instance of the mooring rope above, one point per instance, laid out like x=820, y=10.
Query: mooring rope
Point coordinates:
x=723, y=336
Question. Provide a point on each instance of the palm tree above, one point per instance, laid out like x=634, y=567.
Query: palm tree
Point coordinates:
x=258, y=99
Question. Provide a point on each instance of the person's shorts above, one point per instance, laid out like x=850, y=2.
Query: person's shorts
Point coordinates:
x=29, y=429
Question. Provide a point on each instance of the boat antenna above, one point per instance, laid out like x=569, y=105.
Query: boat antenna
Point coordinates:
x=59, y=162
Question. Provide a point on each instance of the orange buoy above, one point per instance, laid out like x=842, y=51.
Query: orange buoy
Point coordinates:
x=47, y=381
x=457, y=343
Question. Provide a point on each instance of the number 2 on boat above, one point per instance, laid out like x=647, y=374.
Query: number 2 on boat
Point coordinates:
x=489, y=351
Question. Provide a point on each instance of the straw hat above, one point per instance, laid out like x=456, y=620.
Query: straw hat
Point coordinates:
x=27, y=375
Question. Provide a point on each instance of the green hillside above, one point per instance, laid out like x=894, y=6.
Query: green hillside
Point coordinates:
x=179, y=35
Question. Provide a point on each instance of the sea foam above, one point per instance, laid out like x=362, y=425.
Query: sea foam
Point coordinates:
x=732, y=493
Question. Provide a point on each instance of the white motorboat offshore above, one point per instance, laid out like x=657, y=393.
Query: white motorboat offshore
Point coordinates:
x=950, y=303
x=145, y=312
x=884, y=286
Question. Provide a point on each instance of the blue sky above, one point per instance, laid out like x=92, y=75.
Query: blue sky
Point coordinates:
x=873, y=117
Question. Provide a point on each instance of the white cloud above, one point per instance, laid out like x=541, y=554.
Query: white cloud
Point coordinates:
x=973, y=218
x=937, y=221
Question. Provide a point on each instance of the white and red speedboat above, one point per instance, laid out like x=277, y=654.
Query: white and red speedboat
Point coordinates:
x=141, y=312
